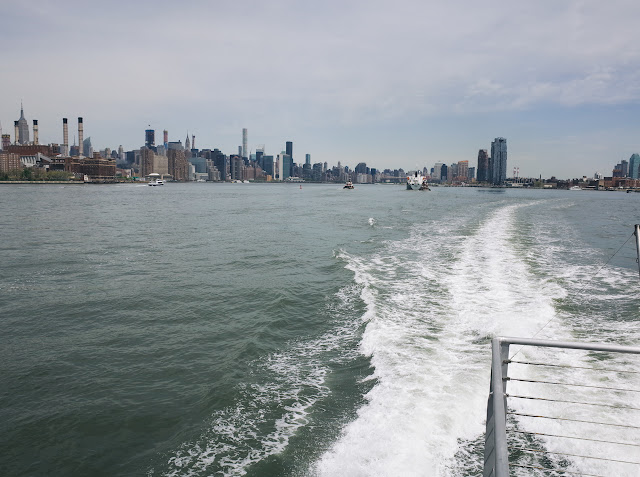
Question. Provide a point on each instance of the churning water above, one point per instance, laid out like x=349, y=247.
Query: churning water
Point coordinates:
x=266, y=330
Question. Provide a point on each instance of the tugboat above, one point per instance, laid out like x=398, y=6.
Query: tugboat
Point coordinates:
x=424, y=185
x=348, y=185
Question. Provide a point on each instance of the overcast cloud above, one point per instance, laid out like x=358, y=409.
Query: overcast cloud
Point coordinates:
x=393, y=83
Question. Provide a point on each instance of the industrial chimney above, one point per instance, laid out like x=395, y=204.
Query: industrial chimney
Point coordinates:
x=35, y=132
x=65, y=137
x=80, y=136
x=15, y=124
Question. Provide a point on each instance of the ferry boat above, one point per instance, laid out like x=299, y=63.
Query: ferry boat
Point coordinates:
x=415, y=182
x=575, y=188
x=348, y=185
x=156, y=182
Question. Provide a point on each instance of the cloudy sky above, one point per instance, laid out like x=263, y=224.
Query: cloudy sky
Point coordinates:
x=398, y=83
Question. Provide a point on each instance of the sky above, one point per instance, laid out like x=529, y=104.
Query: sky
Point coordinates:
x=394, y=84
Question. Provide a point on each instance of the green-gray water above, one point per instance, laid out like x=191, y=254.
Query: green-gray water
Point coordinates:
x=267, y=330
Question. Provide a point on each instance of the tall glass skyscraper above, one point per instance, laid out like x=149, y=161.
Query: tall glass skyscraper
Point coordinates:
x=498, y=161
x=634, y=166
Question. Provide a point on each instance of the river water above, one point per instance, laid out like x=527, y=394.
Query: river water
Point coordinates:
x=273, y=330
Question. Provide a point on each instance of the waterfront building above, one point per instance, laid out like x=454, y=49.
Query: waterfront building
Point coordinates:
x=9, y=161
x=498, y=161
x=307, y=159
x=463, y=170
x=471, y=175
x=634, y=166
x=483, y=166
x=96, y=168
x=6, y=141
x=221, y=163
x=177, y=164
x=266, y=163
x=237, y=167
x=436, y=174
x=146, y=161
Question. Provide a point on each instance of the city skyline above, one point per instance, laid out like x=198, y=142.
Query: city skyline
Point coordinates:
x=401, y=85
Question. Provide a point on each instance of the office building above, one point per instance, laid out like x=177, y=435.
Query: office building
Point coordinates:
x=23, y=129
x=289, y=149
x=149, y=138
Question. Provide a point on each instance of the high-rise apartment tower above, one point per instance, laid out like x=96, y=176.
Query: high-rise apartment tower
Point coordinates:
x=498, y=161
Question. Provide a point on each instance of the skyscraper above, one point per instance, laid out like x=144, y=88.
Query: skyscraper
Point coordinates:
x=149, y=138
x=244, y=142
x=307, y=159
x=289, y=149
x=498, y=161
x=634, y=166
x=23, y=128
x=483, y=166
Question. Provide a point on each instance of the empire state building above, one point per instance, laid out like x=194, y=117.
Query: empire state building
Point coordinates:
x=23, y=128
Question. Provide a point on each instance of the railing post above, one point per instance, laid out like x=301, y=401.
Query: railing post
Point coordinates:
x=499, y=353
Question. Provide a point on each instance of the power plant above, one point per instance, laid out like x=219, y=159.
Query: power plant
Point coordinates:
x=65, y=138
x=80, y=136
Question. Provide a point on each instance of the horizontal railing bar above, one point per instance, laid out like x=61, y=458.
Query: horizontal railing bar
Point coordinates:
x=533, y=363
x=575, y=437
x=574, y=455
x=571, y=345
x=555, y=470
x=572, y=402
x=573, y=420
x=570, y=384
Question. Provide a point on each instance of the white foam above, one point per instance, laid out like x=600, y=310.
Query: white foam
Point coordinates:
x=293, y=381
x=430, y=301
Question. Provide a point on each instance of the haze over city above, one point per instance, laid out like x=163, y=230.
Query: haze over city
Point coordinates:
x=392, y=84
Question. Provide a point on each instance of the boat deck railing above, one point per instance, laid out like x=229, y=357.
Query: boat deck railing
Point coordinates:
x=566, y=413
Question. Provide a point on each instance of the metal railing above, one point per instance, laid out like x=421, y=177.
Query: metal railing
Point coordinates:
x=497, y=449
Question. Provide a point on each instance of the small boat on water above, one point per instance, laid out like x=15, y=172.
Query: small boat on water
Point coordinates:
x=348, y=185
x=575, y=188
x=156, y=182
x=417, y=182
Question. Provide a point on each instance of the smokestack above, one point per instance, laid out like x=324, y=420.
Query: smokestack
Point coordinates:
x=15, y=124
x=65, y=137
x=80, y=136
x=35, y=132
x=244, y=142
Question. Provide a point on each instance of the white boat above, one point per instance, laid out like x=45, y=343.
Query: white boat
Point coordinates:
x=415, y=182
x=575, y=188
x=156, y=182
x=348, y=185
